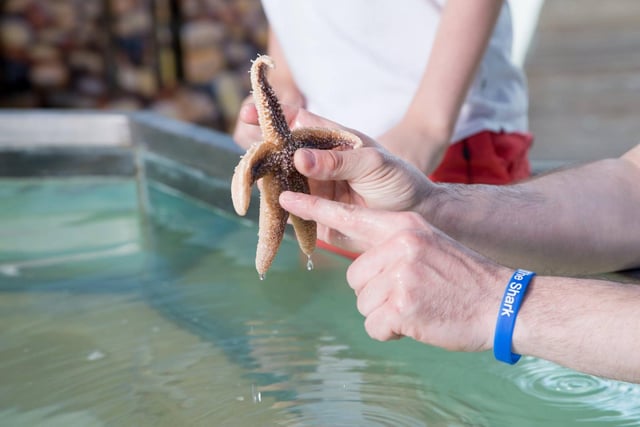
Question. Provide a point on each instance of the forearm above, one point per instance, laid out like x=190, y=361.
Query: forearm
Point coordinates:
x=582, y=220
x=463, y=34
x=587, y=325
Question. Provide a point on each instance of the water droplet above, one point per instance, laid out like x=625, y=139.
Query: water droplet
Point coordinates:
x=262, y=275
x=255, y=394
x=309, y=263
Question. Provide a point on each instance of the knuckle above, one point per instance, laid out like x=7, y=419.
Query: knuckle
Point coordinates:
x=409, y=237
x=348, y=212
x=314, y=203
x=378, y=157
x=413, y=220
x=400, y=300
x=405, y=296
x=352, y=275
x=411, y=242
x=332, y=160
x=374, y=330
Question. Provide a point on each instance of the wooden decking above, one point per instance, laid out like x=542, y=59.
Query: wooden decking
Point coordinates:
x=583, y=69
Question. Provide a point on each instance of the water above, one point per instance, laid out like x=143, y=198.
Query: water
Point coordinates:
x=111, y=317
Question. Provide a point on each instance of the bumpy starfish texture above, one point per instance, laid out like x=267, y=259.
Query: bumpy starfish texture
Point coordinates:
x=272, y=160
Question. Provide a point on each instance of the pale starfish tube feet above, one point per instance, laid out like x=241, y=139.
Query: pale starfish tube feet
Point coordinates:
x=272, y=161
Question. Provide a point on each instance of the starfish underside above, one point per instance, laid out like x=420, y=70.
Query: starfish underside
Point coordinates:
x=272, y=161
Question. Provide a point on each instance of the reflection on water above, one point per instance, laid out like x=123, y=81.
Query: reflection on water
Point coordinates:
x=111, y=318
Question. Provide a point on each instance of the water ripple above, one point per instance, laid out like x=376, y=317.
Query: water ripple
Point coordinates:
x=562, y=387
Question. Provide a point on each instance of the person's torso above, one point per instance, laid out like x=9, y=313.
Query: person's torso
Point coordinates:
x=359, y=63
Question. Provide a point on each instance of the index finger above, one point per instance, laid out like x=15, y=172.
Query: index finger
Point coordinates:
x=358, y=223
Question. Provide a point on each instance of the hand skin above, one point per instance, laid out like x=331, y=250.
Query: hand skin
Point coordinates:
x=415, y=281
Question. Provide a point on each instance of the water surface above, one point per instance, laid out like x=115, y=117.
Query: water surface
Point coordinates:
x=109, y=316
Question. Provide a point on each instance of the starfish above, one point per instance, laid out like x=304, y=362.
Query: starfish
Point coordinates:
x=272, y=161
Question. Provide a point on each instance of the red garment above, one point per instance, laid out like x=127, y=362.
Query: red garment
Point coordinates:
x=486, y=158
x=483, y=158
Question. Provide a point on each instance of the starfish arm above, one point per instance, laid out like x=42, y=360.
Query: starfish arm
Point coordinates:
x=272, y=223
x=324, y=139
x=272, y=160
x=270, y=116
x=306, y=234
x=253, y=165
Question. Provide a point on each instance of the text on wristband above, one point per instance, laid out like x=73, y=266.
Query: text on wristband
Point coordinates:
x=512, y=291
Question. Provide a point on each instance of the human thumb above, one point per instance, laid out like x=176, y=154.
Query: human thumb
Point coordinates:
x=334, y=165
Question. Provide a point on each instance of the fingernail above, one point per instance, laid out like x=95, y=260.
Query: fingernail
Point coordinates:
x=307, y=158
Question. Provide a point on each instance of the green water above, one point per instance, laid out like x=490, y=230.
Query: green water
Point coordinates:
x=109, y=317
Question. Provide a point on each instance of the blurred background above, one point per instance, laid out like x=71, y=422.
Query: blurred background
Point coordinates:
x=583, y=68
x=188, y=59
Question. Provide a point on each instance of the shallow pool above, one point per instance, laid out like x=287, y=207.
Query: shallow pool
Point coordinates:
x=119, y=311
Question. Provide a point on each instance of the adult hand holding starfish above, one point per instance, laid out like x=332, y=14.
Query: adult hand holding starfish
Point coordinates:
x=369, y=177
x=272, y=161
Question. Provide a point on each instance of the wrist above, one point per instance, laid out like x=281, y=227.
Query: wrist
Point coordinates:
x=530, y=334
x=442, y=208
x=427, y=143
x=498, y=276
x=514, y=296
x=429, y=127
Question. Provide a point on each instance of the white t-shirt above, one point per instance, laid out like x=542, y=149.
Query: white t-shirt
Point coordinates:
x=359, y=63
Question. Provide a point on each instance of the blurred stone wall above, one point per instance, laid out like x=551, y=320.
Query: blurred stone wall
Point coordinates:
x=186, y=59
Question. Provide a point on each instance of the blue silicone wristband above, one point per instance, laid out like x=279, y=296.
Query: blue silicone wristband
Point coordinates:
x=511, y=301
